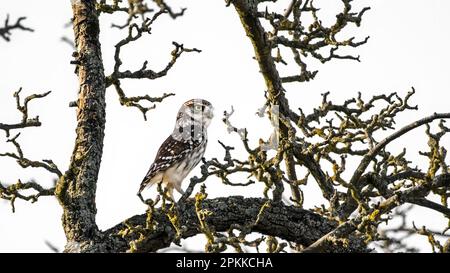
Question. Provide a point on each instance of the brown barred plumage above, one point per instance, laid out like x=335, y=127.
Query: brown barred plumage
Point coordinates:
x=183, y=149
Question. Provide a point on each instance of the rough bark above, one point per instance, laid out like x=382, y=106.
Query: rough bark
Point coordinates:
x=76, y=189
x=287, y=222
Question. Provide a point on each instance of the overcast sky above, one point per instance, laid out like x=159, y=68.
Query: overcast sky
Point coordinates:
x=408, y=46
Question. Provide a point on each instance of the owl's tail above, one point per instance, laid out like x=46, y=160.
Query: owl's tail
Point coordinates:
x=144, y=184
x=148, y=181
x=141, y=188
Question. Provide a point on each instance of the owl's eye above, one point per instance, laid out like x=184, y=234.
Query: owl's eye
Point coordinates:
x=197, y=107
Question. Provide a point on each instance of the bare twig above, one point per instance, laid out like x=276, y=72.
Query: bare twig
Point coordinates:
x=5, y=31
x=13, y=192
x=24, y=162
x=23, y=109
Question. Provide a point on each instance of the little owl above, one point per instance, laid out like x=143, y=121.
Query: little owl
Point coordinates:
x=183, y=149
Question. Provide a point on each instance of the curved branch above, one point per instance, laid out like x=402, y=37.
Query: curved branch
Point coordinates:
x=24, y=162
x=350, y=205
x=415, y=195
x=287, y=222
x=315, y=169
x=373, y=152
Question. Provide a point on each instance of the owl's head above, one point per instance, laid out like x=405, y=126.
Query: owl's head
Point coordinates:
x=197, y=110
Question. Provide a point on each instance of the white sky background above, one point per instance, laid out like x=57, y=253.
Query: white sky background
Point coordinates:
x=408, y=47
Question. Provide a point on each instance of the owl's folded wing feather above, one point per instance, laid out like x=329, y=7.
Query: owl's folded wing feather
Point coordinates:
x=171, y=152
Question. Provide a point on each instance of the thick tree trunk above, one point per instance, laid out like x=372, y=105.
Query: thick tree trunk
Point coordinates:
x=76, y=189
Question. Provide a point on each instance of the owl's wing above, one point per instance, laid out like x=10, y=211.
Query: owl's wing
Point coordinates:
x=171, y=151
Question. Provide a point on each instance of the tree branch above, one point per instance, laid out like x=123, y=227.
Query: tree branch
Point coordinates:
x=12, y=192
x=5, y=31
x=23, y=109
x=135, y=32
x=24, y=162
x=351, y=205
x=287, y=222
x=361, y=221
